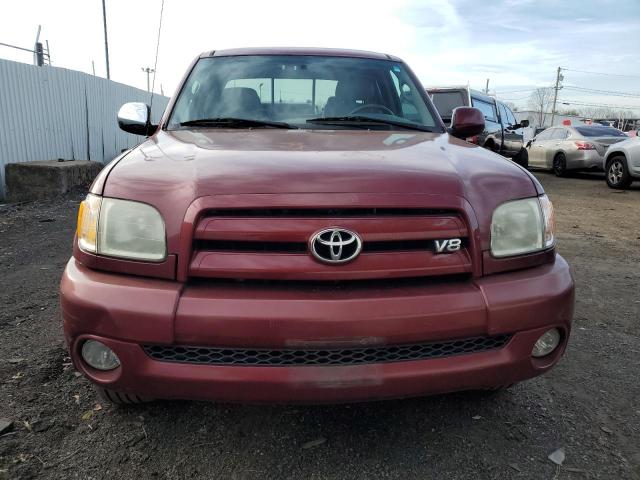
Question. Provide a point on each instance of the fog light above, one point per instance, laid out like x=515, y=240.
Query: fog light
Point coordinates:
x=547, y=343
x=99, y=356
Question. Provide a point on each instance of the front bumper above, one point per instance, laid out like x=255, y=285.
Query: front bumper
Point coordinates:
x=126, y=312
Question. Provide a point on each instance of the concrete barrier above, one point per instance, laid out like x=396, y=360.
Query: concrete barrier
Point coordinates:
x=48, y=179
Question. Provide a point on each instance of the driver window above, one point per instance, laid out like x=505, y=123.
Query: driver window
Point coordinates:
x=406, y=98
x=504, y=117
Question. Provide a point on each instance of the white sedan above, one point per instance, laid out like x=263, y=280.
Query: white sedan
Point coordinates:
x=622, y=163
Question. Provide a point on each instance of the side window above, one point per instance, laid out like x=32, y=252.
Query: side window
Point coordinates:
x=559, y=134
x=410, y=102
x=511, y=116
x=546, y=135
x=396, y=82
x=504, y=117
x=487, y=109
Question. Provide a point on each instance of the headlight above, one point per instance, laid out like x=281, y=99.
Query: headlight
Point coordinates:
x=121, y=228
x=88, y=223
x=522, y=226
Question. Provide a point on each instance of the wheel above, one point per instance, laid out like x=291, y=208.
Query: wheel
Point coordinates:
x=490, y=145
x=522, y=158
x=118, y=398
x=617, y=173
x=489, y=392
x=560, y=165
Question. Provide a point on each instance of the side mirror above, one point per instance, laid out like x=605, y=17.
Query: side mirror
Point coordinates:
x=518, y=126
x=466, y=122
x=135, y=117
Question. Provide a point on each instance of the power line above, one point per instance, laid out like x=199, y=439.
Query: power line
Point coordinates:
x=604, y=92
x=601, y=73
x=514, y=99
x=585, y=104
x=516, y=91
x=17, y=48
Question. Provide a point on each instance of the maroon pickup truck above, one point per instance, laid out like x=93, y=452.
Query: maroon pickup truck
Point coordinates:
x=302, y=227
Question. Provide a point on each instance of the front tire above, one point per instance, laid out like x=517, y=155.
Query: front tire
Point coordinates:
x=617, y=173
x=119, y=398
x=490, y=392
x=522, y=158
x=560, y=165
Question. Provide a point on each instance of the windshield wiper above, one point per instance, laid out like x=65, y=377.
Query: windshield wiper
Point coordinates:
x=233, y=122
x=363, y=120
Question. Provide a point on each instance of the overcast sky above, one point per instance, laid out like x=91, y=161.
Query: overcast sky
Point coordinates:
x=517, y=44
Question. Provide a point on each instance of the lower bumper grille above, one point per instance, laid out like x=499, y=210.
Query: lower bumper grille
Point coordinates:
x=329, y=356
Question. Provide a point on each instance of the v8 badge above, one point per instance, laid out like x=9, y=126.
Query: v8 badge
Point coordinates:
x=449, y=245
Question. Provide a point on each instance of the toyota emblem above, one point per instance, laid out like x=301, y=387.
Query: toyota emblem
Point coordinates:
x=335, y=245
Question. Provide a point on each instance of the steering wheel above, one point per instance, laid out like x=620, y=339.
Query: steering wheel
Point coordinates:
x=370, y=106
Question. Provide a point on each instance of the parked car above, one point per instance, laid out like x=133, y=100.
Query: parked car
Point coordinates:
x=503, y=134
x=253, y=249
x=622, y=163
x=570, y=148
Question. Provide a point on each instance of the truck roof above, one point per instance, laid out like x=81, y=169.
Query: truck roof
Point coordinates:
x=325, y=52
x=472, y=91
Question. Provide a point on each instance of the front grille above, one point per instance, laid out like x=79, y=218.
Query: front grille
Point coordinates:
x=273, y=243
x=324, y=212
x=328, y=356
x=301, y=247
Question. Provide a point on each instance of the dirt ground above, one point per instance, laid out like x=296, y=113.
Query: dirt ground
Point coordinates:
x=589, y=405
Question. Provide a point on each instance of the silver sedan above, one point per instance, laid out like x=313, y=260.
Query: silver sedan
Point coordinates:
x=576, y=147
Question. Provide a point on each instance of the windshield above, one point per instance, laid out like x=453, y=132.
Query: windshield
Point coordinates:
x=600, y=132
x=293, y=89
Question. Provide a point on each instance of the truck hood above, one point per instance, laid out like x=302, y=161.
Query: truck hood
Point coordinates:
x=171, y=169
x=214, y=161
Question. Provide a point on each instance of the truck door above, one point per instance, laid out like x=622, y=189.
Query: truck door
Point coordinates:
x=491, y=138
x=512, y=139
x=537, y=151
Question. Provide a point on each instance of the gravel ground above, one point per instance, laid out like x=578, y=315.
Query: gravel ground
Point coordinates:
x=588, y=405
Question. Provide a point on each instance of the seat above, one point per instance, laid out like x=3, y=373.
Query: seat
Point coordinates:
x=350, y=94
x=241, y=102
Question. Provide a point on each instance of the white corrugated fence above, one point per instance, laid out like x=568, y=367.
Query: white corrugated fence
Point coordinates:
x=48, y=113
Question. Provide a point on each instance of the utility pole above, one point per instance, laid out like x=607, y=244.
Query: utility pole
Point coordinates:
x=148, y=71
x=106, y=41
x=38, y=51
x=486, y=88
x=39, y=54
x=559, y=78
